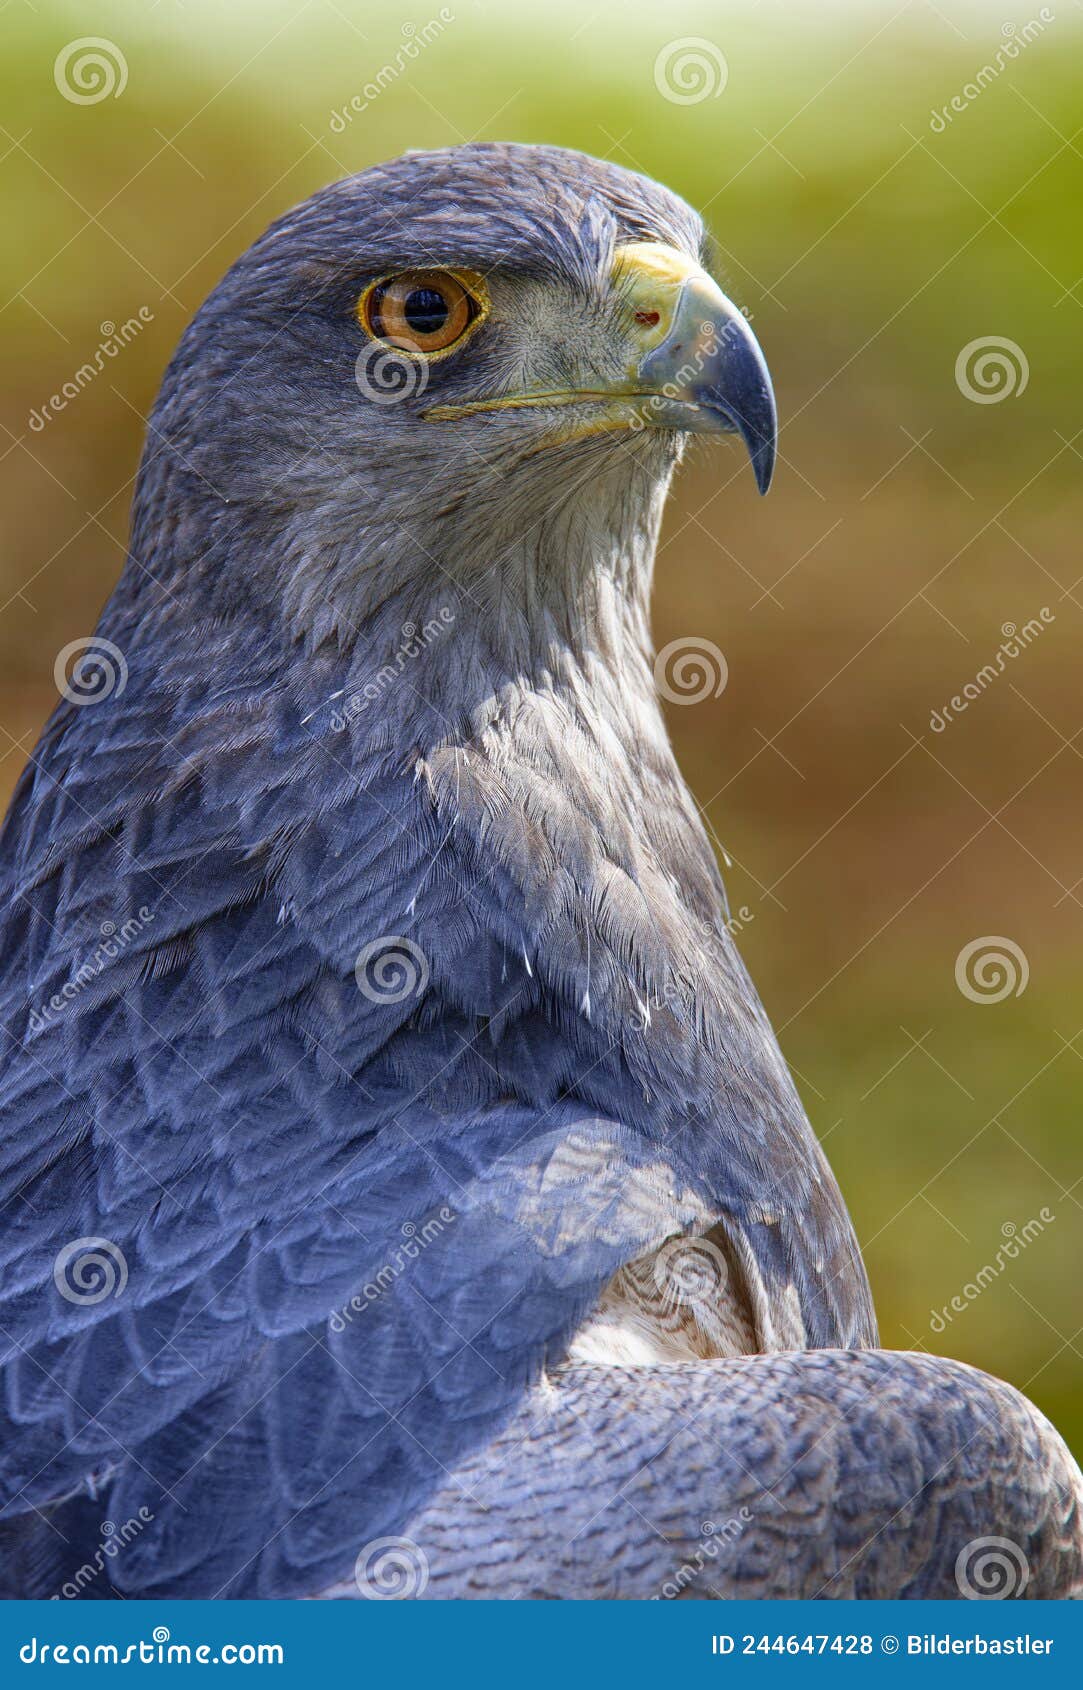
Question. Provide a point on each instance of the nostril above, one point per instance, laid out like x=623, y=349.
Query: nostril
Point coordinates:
x=647, y=318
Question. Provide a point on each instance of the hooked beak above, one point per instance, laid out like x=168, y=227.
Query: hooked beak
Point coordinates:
x=695, y=365
x=704, y=371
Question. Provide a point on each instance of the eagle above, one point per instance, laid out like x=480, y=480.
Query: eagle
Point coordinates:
x=403, y=1190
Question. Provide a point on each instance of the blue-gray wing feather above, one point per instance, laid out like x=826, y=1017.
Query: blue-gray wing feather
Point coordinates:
x=352, y=1230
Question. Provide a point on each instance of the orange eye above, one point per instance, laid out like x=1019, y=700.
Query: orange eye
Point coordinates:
x=420, y=311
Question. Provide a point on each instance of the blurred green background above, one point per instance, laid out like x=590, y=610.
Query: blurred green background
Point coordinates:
x=871, y=242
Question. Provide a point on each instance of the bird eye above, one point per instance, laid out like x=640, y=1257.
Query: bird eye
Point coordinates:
x=426, y=311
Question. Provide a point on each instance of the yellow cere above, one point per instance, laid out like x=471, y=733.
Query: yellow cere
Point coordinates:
x=653, y=279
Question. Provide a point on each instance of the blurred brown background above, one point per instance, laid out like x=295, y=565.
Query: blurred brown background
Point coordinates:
x=873, y=242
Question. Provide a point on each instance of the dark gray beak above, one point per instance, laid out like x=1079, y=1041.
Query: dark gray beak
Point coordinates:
x=709, y=376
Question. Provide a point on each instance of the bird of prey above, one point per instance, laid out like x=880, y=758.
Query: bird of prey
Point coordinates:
x=403, y=1190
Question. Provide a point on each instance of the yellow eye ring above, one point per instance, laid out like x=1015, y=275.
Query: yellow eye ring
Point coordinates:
x=424, y=313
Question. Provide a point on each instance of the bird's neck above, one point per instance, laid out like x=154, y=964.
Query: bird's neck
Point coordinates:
x=551, y=595
x=532, y=555
x=525, y=692
x=513, y=616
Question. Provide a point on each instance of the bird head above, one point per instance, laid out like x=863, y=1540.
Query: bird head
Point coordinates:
x=486, y=358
